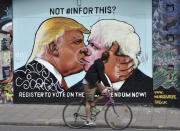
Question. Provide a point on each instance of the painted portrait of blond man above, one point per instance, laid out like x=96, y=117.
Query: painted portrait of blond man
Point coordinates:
x=56, y=40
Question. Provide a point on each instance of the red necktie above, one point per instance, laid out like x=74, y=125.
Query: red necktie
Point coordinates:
x=64, y=84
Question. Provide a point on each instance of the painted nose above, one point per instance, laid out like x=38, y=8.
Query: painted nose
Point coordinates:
x=84, y=51
x=89, y=50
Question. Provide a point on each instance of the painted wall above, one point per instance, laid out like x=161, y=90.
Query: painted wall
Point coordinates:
x=27, y=19
x=166, y=48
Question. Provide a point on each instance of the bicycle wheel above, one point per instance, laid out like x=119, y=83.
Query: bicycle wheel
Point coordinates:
x=74, y=115
x=118, y=116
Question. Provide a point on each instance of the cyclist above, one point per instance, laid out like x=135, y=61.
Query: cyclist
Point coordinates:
x=92, y=84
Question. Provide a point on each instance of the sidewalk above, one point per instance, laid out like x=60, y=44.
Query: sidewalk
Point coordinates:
x=44, y=115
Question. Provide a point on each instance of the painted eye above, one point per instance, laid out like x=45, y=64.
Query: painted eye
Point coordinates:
x=93, y=46
x=79, y=41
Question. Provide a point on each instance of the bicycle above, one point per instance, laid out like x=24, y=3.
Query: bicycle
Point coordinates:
x=117, y=115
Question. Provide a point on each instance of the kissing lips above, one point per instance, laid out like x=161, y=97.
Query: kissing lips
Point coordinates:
x=83, y=61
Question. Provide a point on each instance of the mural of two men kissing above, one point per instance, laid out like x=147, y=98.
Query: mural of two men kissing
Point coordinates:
x=59, y=51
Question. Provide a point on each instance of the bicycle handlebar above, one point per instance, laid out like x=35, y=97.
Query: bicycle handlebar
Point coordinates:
x=109, y=91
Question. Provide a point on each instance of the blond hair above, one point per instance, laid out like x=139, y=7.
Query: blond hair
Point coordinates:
x=49, y=30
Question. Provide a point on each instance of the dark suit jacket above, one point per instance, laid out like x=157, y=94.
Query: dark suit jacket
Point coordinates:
x=35, y=78
x=141, y=85
x=96, y=73
x=138, y=88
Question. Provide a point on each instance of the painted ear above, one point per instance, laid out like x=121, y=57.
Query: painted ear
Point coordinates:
x=53, y=49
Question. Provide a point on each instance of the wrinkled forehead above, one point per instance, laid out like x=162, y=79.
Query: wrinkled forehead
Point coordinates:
x=97, y=41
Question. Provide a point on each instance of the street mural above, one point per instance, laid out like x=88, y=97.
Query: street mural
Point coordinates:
x=166, y=48
x=59, y=44
x=6, y=59
x=6, y=94
x=38, y=76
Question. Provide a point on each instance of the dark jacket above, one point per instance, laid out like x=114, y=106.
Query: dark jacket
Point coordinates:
x=138, y=82
x=141, y=83
x=96, y=73
x=35, y=78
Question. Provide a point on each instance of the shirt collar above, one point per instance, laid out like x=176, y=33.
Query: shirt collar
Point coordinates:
x=116, y=85
x=51, y=68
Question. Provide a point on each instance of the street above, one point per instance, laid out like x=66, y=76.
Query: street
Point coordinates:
x=62, y=128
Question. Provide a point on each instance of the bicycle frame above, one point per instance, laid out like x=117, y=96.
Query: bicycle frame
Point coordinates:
x=83, y=116
x=77, y=117
x=110, y=101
